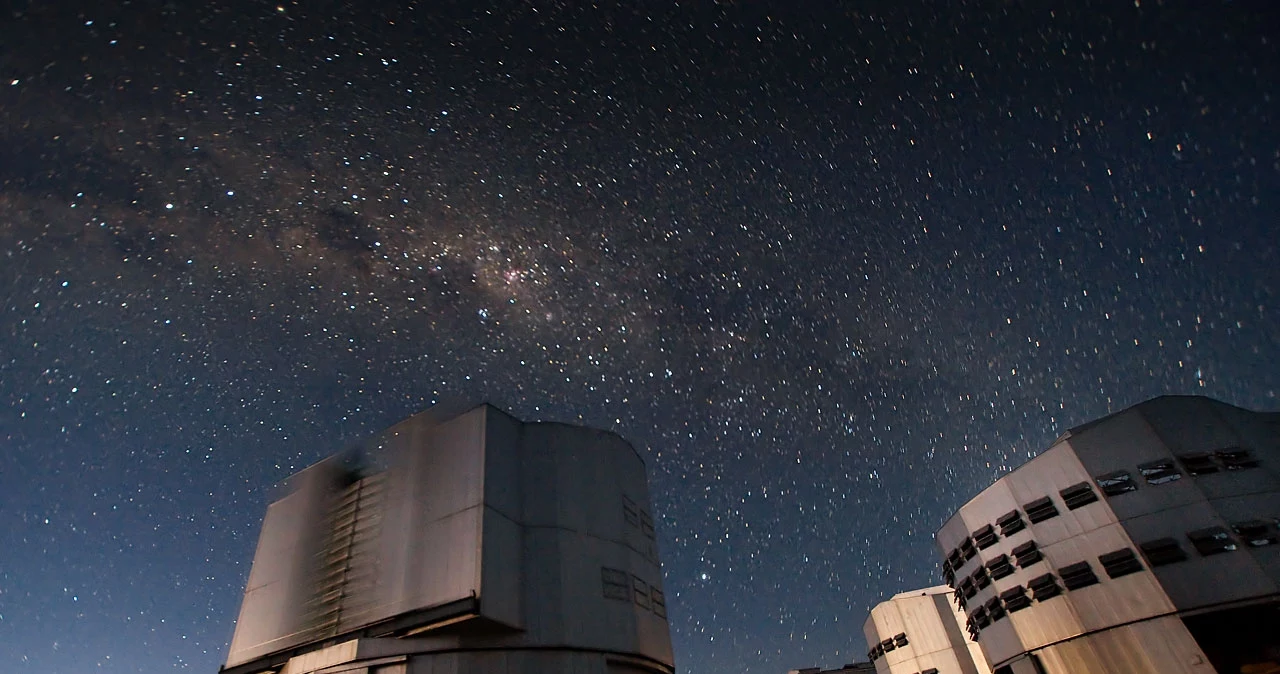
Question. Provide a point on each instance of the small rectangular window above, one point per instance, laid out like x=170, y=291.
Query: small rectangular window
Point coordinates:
x=1000, y=567
x=1040, y=510
x=646, y=524
x=629, y=512
x=1122, y=562
x=887, y=645
x=641, y=590
x=961, y=601
x=1114, y=484
x=954, y=559
x=972, y=626
x=659, y=601
x=985, y=537
x=1078, y=575
x=980, y=617
x=967, y=588
x=948, y=573
x=1212, y=541
x=967, y=550
x=1078, y=495
x=1011, y=523
x=931, y=670
x=1044, y=587
x=900, y=639
x=1161, y=471
x=995, y=609
x=980, y=578
x=1198, y=464
x=615, y=584
x=1256, y=533
x=1015, y=599
x=1163, y=551
x=1027, y=554
x=1236, y=458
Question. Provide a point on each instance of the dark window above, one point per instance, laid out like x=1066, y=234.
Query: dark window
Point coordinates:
x=985, y=537
x=1015, y=599
x=980, y=578
x=629, y=512
x=1160, y=472
x=1122, y=562
x=967, y=551
x=1078, y=575
x=931, y=670
x=1040, y=510
x=967, y=588
x=948, y=573
x=1011, y=523
x=900, y=639
x=1212, y=540
x=961, y=601
x=1162, y=551
x=887, y=645
x=1027, y=554
x=874, y=654
x=1078, y=495
x=954, y=558
x=1198, y=464
x=980, y=617
x=972, y=625
x=1236, y=458
x=659, y=602
x=641, y=590
x=1000, y=567
x=995, y=609
x=1256, y=533
x=1044, y=587
x=615, y=584
x=646, y=524
x=1114, y=484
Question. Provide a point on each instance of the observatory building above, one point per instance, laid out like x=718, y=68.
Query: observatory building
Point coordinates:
x=1142, y=542
x=922, y=632
x=485, y=544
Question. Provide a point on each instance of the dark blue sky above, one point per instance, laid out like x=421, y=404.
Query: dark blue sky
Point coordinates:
x=831, y=269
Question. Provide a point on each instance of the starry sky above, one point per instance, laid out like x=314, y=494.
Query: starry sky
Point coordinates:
x=832, y=268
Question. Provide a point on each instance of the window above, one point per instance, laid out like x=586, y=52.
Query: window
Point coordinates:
x=900, y=639
x=887, y=645
x=1011, y=523
x=1078, y=495
x=985, y=537
x=953, y=558
x=948, y=573
x=1163, y=551
x=931, y=670
x=1256, y=533
x=1044, y=587
x=1160, y=472
x=1122, y=562
x=961, y=600
x=629, y=512
x=659, y=601
x=646, y=524
x=1078, y=575
x=980, y=578
x=1114, y=484
x=615, y=584
x=1040, y=510
x=1027, y=554
x=1236, y=458
x=641, y=591
x=1198, y=464
x=980, y=617
x=1015, y=599
x=875, y=653
x=967, y=551
x=1000, y=567
x=1212, y=541
x=972, y=626
x=995, y=609
x=967, y=588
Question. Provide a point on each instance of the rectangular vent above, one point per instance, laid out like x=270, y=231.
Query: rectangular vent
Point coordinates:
x=1015, y=599
x=1044, y=587
x=1027, y=554
x=615, y=584
x=641, y=590
x=1236, y=458
x=1078, y=495
x=1163, y=551
x=1198, y=464
x=985, y=537
x=887, y=645
x=995, y=609
x=1011, y=523
x=948, y=573
x=1114, y=484
x=900, y=639
x=980, y=578
x=629, y=512
x=980, y=617
x=1000, y=567
x=1256, y=533
x=961, y=601
x=1212, y=541
x=1122, y=562
x=967, y=588
x=1161, y=471
x=659, y=602
x=1078, y=575
x=967, y=550
x=1040, y=510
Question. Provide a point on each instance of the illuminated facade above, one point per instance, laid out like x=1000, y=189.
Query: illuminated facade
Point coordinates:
x=1142, y=542
x=922, y=632
x=488, y=545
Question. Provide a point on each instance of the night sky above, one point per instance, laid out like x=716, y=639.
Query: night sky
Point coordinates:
x=830, y=269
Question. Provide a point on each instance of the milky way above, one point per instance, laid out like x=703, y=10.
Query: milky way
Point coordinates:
x=831, y=270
